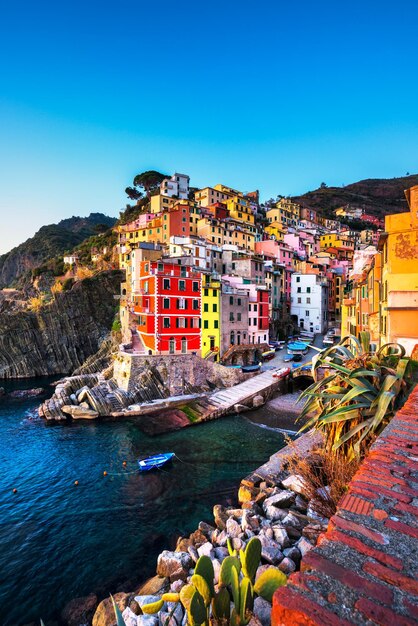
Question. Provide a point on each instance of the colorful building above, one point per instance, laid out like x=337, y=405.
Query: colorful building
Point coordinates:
x=167, y=303
x=211, y=318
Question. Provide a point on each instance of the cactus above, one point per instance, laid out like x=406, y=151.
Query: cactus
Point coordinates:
x=246, y=600
x=231, y=549
x=228, y=564
x=250, y=558
x=202, y=587
x=221, y=605
x=204, y=568
x=198, y=611
x=236, y=583
x=153, y=607
x=171, y=597
x=268, y=582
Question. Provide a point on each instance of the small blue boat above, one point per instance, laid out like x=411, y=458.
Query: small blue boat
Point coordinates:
x=155, y=462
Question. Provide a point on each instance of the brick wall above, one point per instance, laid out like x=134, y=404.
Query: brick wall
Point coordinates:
x=364, y=569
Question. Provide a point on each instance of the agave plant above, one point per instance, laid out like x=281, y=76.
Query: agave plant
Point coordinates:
x=355, y=393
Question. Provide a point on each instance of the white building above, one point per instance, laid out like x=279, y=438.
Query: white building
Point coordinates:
x=309, y=302
x=71, y=259
x=177, y=185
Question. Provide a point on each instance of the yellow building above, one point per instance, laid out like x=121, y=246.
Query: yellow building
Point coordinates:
x=334, y=240
x=276, y=230
x=211, y=195
x=161, y=203
x=399, y=291
x=285, y=212
x=239, y=209
x=211, y=318
x=388, y=294
x=230, y=232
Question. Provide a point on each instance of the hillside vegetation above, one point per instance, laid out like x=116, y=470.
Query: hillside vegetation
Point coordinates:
x=50, y=242
x=377, y=196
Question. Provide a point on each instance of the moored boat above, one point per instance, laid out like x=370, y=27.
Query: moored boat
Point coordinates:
x=155, y=462
x=250, y=368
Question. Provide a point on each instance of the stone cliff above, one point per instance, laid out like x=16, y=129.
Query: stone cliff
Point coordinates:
x=63, y=334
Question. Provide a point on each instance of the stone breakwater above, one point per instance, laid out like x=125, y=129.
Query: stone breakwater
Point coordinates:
x=271, y=507
x=135, y=381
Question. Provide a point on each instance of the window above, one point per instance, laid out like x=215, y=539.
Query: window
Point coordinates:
x=181, y=322
x=195, y=286
x=231, y=317
x=216, y=324
x=231, y=300
x=182, y=285
x=299, y=290
x=308, y=300
x=172, y=345
x=255, y=307
x=206, y=308
x=239, y=301
x=299, y=300
x=308, y=290
x=297, y=278
x=146, y=268
x=166, y=303
x=146, y=286
x=205, y=324
x=206, y=292
x=215, y=308
x=166, y=322
x=160, y=267
x=166, y=283
x=306, y=313
x=238, y=317
x=196, y=304
x=182, y=303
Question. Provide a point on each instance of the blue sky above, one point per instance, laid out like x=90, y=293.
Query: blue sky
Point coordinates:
x=277, y=96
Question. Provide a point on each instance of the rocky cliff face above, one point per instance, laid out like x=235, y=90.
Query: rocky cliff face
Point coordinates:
x=63, y=334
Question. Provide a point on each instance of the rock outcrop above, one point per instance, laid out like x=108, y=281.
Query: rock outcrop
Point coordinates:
x=63, y=334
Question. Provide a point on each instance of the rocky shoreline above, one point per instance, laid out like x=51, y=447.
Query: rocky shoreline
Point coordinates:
x=270, y=506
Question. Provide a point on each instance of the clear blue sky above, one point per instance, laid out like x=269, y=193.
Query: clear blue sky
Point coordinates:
x=278, y=96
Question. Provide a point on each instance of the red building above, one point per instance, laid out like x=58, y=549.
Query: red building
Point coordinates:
x=263, y=309
x=167, y=301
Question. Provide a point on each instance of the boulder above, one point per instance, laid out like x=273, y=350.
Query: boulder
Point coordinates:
x=79, y=412
x=216, y=569
x=301, y=504
x=304, y=546
x=258, y=401
x=233, y=528
x=105, y=615
x=274, y=514
x=23, y=394
x=129, y=617
x=287, y=566
x=206, y=549
x=221, y=553
x=220, y=516
x=177, y=586
x=174, y=565
x=193, y=553
x=262, y=610
x=182, y=544
x=270, y=550
x=281, y=536
x=312, y=531
x=197, y=538
x=294, y=483
x=293, y=553
x=154, y=586
x=80, y=610
x=293, y=520
x=206, y=529
x=282, y=499
x=177, y=609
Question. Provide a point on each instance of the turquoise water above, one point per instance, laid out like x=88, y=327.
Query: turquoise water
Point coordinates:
x=59, y=541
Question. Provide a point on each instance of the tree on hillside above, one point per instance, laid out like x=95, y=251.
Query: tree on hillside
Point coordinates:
x=148, y=181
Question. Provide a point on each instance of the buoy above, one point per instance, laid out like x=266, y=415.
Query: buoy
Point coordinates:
x=76, y=482
x=104, y=473
x=14, y=490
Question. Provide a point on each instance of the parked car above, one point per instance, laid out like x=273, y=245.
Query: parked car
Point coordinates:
x=297, y=357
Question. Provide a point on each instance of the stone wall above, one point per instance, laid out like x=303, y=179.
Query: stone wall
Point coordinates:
x=364, y=568
x=182, y=374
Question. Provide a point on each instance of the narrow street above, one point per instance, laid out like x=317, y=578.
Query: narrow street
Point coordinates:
x=278, y=360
